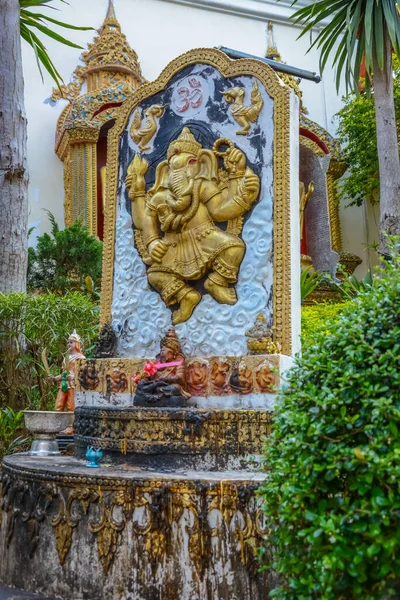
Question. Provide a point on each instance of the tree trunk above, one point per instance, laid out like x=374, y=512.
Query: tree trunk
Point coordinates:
x=388, y=150
x=13, y=167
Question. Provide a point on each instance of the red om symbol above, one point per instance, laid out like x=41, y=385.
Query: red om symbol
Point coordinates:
x=192, y=97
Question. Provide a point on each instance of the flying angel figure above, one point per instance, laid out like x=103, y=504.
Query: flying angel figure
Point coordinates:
x=244, y=115
x=142, y=132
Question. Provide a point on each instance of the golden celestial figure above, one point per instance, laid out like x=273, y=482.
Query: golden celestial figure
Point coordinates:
x=143, y=130
x=243, y=114
x=305, y=195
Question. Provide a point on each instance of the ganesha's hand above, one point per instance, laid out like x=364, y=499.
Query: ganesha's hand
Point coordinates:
x=157, y=249
x=135, y=180
x=249, y=188
x=235, y=161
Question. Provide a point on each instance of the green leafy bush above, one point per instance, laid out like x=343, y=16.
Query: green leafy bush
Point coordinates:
x=350, y=286
x=309, y=281
x=332, y=496
x=357, y=136
x=62, y=261
x=10, y=425
x=29, y=324
x=318, y=319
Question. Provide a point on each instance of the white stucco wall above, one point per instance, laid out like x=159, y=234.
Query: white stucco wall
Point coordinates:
x=160, y=30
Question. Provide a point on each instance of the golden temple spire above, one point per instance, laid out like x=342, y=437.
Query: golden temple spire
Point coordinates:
x=111, y=20
x=110, y=52
x=109, y=62
x=272, y=50
x=111, y=11
x=273, y=53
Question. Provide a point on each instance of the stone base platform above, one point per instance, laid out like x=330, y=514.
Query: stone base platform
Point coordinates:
x=124, y=533
x=212, y=439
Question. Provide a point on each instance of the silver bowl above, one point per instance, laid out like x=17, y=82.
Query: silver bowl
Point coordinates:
x=44, y=424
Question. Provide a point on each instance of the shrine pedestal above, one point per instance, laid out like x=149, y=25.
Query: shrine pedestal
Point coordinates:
x=124, y=533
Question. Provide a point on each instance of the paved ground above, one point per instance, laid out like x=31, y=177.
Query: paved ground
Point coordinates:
x=7, y=593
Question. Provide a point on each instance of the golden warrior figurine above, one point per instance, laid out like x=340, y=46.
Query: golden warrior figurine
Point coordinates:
x=176, y=233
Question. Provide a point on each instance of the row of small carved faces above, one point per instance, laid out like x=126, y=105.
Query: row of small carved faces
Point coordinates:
x=216, y=376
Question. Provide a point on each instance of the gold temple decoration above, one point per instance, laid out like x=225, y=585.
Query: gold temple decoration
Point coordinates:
x=281, y=96
x=336, y=169
x=305, y=195
x=261, y=341
x=109, y=60
x=336, y=165
x=244, y=115
x=190, y=195
x=274, y=54
x=143, y=132
x=109, y=72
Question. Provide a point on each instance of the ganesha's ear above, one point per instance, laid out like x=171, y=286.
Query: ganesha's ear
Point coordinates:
x=208, y=165
x=162, y=173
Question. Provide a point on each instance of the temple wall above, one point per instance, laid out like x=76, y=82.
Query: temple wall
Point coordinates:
x=160, y=30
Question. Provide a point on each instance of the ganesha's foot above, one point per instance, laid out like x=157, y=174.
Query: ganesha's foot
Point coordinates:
x=187, y=306
x=220, y=291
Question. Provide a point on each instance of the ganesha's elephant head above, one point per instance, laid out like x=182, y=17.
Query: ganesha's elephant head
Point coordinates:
x=186, y=162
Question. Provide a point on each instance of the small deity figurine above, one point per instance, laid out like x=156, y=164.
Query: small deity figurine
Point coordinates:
x=116, y=382
x=265, y=377
x=105, y=346
x=241, y=379
x=165, y=387
x=66, y=393
x=261, y=341
x=220, y=373
x=197, y=377
x=89, y=375
x=176, y=229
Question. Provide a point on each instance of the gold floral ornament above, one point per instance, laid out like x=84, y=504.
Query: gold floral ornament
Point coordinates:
x=244, y=115
x=261, y=341
x=176, y=232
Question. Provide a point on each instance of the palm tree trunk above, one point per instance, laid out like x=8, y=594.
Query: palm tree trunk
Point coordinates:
x=13, y=167
x=388, y=150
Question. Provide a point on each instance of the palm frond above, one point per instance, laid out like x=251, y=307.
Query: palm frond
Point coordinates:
x=30, y=21
x=355, y=32
x=39, y=17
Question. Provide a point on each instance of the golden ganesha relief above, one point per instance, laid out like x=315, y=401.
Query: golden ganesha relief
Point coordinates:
x=175, y=220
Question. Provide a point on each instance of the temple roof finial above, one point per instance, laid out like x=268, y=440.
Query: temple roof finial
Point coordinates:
x=111, y=21
x=272, y=50
x=111, y=11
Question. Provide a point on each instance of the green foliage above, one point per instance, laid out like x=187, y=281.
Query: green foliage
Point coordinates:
x=355, y=32
x=309, y=281
x=319, y=319
x=63, y=260
x=357, y=136
x=33, y=21
x=10, y=424
x=350, y=286
x=332, y=496
x=30, y=324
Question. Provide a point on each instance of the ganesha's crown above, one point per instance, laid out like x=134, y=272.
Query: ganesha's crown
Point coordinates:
x=186, y=142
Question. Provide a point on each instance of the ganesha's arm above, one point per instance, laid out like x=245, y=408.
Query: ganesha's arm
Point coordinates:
x=150, y=225
x=236, y=199
x=138, y=208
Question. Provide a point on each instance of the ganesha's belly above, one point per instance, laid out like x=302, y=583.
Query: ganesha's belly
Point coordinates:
x=191, y=253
